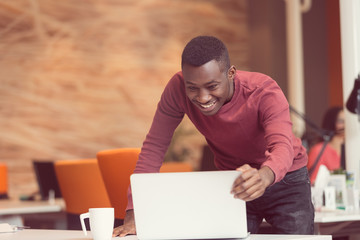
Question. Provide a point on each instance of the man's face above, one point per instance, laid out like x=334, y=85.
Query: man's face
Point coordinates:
x=207, y=87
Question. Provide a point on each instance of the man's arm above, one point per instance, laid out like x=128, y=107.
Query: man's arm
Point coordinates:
x=167, y=117
x=275, y=119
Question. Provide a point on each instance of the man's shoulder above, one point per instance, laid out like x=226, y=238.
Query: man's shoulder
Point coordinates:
x=175, y=88
x=177, y=78
x=252, y=80
x=251, y=74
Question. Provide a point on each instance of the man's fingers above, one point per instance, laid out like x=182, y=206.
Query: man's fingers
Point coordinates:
x=248, y=197
x=123, y=230
x=247, y=178
x=249, y=193
x=117, y=231
x=243, y=168
x=248, y=186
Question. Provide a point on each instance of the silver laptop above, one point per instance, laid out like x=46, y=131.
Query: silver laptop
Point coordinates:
x=187, y=205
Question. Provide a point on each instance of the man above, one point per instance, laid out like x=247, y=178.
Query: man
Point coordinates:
x=245, y=119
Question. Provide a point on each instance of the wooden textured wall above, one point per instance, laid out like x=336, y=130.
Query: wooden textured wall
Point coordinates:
x=77, y=77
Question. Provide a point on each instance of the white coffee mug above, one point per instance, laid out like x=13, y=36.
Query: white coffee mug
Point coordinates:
x=101, y=222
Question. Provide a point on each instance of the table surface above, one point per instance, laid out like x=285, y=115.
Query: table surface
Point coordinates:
x=13, y=207
x=17, y=207
x=332, y=216
x=34, y=234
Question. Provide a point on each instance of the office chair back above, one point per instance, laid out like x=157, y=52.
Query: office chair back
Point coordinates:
x=3, y=181
x=116, y=166
x=81, y=185
x=176, y=167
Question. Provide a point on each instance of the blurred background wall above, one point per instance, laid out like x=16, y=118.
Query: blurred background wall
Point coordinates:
x=80, y=77
x=77, y=77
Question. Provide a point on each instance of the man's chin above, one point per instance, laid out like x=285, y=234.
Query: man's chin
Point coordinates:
x=209, y=112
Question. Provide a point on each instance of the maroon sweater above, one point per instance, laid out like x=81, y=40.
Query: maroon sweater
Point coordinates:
x=254, y=127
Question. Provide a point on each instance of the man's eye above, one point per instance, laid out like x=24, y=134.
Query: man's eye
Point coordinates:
x=212, y=87
x=191, y=88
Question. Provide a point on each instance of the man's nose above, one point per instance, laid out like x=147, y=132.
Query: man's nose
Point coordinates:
x=204, y=96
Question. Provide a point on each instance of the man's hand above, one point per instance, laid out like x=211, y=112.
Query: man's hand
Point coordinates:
x=252, y=182
x=128, y=227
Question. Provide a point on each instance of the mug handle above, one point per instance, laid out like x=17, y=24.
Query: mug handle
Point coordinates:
x=82, y=217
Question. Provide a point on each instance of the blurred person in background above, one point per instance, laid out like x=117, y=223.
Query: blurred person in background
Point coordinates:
x=333, y=124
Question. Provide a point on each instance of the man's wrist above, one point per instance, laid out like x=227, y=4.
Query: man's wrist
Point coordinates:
x=267, y=175
x=129, y=216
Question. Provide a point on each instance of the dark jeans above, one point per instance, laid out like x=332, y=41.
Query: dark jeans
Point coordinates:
x=286, y=206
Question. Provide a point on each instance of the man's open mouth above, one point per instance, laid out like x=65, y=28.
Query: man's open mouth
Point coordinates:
x=208, y=105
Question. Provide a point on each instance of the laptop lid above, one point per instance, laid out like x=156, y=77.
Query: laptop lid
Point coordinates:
x=187, y=205
x=46, y=178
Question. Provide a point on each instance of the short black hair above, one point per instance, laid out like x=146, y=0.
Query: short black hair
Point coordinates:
x=330, y=118
x=203, y=49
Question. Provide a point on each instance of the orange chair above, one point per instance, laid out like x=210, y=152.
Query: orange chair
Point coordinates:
x=82, y=187
x=3, y=181
x=116, y=166
x=176, y=167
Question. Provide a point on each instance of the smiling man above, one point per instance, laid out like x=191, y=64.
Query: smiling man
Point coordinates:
x=208, y=87
x=245, y=119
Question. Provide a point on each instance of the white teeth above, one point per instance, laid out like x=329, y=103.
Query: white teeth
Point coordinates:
x=207, y=105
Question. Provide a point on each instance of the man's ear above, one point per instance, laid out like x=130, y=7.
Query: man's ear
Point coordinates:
x=231, y=72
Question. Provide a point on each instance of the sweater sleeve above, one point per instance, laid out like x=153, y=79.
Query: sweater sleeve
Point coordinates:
x=275, y=119
x=167, y=117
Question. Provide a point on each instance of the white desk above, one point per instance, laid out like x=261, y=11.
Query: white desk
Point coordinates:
x=11, y=210
x=30, y=234
x=337, y=222
x=337, y=216
x=12, y=207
